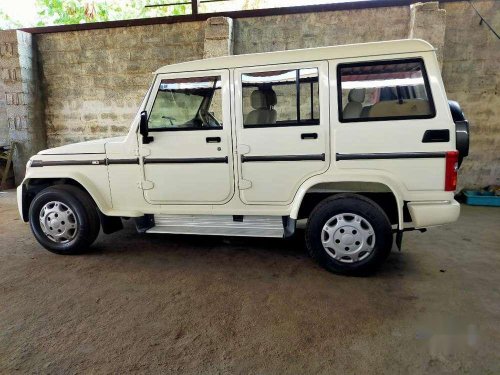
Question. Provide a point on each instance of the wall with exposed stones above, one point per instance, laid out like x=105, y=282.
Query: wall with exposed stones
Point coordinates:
x=6, y=57
x=93, y=81
x=21, y=106
x=471, y=74
x=277, y=33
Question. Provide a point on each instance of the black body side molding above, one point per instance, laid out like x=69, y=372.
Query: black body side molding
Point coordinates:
x=185, y=160
x=245, y=159
x=392, y=155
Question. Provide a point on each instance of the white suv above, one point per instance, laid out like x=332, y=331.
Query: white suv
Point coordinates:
x=360, y=140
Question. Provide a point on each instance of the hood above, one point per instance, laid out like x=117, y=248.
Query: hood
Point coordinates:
x=89, y=147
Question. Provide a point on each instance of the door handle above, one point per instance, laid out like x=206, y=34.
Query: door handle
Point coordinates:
x=213, y=139
x=309, y=136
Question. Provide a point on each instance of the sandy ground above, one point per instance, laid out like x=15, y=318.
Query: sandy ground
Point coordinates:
x=203, y=305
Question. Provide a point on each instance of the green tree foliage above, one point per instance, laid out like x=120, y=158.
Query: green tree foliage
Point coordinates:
x=65, y=12
x=6, y=22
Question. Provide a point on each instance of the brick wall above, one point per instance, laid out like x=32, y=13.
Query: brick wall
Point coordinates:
x=94, y=80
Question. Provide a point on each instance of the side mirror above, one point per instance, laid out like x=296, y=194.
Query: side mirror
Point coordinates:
x=143, y=128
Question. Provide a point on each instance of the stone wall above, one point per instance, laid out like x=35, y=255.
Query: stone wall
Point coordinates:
x=277, y=33
x=94, y=80
x=471, y=74
x=21, y=106
x=469, y=53
x=7, y=58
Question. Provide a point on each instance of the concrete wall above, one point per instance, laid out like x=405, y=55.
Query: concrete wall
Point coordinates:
x=93, y=81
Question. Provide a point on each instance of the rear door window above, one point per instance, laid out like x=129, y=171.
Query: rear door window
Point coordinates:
x=384, y=90
x=280, y=98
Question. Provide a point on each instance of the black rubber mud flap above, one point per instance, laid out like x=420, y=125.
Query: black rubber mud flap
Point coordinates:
x=143, y=223
x=289, y=226
x=399, y=239
x=110, y=224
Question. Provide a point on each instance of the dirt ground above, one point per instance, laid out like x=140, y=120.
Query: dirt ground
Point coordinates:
x=206, y=305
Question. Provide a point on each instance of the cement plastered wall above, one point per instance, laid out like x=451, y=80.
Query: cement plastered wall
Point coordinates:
x=94, y=80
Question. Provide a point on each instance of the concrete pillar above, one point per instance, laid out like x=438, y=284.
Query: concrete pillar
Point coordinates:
x=21, y=97
x=218, y=37
x=428, y=22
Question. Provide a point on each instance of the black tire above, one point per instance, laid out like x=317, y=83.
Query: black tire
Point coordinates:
x=85, y=212
x=349, y=204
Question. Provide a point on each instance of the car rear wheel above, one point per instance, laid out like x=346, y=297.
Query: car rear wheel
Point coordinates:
x=349, y=234
x=64, y=219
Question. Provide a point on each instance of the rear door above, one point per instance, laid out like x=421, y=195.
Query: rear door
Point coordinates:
x=282, y=129
x=389, y=118
x=190, y=158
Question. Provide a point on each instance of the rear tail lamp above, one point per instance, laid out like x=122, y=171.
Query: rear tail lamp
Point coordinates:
x=450, y=178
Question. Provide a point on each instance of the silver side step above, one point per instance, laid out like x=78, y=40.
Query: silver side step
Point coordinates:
x=219, y=225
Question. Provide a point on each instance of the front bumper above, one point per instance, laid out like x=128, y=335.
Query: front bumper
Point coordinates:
x=20, y=195
x=427, y=214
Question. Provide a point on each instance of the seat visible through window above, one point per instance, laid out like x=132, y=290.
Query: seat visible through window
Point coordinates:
x=262, y=103
x=387, y=90
x=354, y=106
x=280, y=98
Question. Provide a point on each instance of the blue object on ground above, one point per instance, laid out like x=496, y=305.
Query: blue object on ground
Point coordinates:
x=481, y=198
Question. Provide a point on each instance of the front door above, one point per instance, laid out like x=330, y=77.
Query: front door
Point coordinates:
x=189, y=160
x=282, y=129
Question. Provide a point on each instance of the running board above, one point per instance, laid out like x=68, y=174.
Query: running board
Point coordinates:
x=220, y=225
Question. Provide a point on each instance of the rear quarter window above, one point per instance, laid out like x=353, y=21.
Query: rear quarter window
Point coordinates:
x=384, y=90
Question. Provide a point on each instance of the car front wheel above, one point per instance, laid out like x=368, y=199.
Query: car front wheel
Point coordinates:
x=64, y=219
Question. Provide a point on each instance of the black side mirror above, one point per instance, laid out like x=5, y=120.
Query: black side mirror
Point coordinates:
x=143, y=128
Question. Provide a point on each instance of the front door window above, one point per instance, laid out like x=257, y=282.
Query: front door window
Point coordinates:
x=187, y=104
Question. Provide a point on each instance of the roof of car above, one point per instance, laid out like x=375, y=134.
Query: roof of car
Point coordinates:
x=298, y=55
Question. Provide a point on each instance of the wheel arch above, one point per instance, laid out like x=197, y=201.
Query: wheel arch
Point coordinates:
x=32, y=185
x=314, y=191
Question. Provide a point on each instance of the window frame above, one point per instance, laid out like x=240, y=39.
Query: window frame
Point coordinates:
x=192, y=128
x=297, y=91
x=427, y=86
